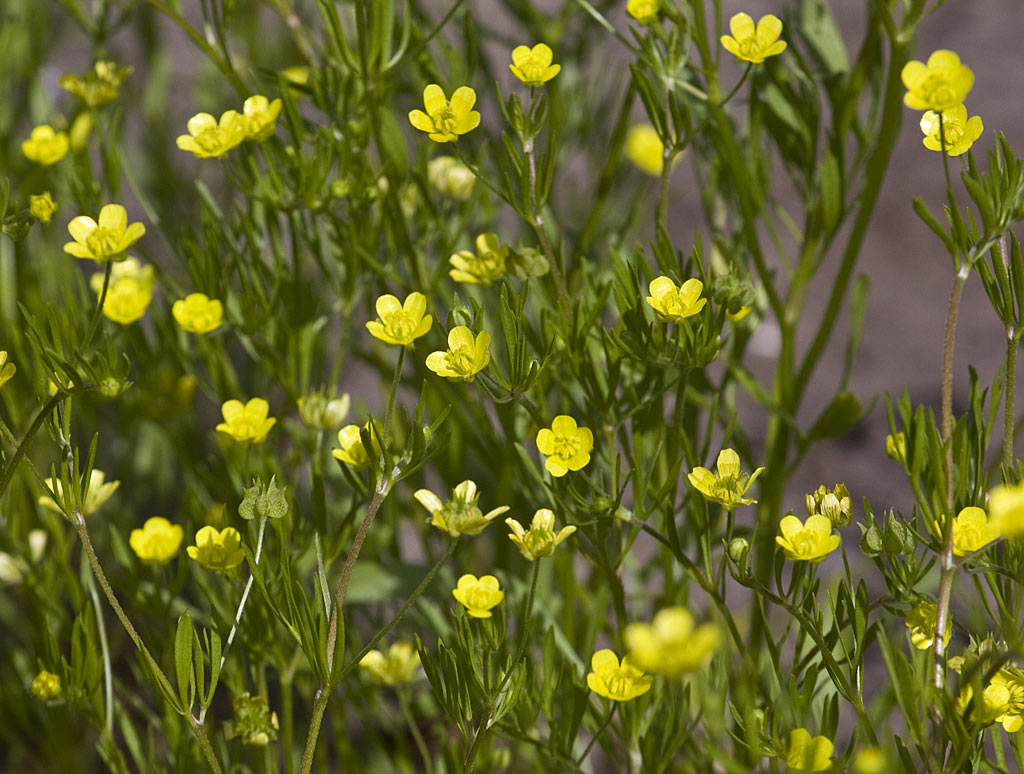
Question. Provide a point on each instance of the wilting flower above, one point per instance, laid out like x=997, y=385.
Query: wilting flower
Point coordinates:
x=671, y=644
x=258, y=115
x=218, y=551
x=644, y=11
x=398, y=666
x=444, y=121
x=804, y=755
x=451, y=177
x=400, y=324
x=533, y=65
x=466, y=356
x=105, y=240
x=939, y=85
x=540, y=539
x=959, y=131
x=352, y=450
x=246, y=423
x=673, y=304
x=614, y=681
x=99, y=492
x=197, y=313
x=42, y=207
x=811, y=541
x=728, y=485
x=972, y=531
x=158, y=541
x=99, y=86
x=754, y=44
x=921, y=622
x=46, y=686
x=645, y=148
x=485, y=266
x=566, y=446
x=208, y=138
x=478, y=596
x=460, y=515
x=45, y=145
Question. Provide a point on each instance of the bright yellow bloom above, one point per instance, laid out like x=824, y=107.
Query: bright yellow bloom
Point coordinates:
x=1012, y=717
x=99, y=492
x=466, y=356
x=478, y=596
x=670, y=644
x=105, y=240
x=218, y=551
x=644, y=11
x=129, y=268
x=398, y=666
x=197, y=313
x=645, y=148
x=7, y=370
x=246, y=423
x=451, y=177
x=921, y=622
x=400, y=324
x=485, y=266
x=960, y=131
x=42, y=207
x=460, y=515
x=46, y=686
x=1006, y=509
x=566, y=446
x=127, y=300
x=750, y=44
x=158, y=541
x=939, y=85
x=259, y=114
x=99, y=86
x=994, y=703
x=45, y=145
x=811, y=541
x=208, y=138
x=533, y=65
x=322, y=414
x=673, y=304
x=804, y=755
x=972, y=531
x=444, y=121
x=540, y=539
x=614, y=681
x=352, y=450
x=728, y=485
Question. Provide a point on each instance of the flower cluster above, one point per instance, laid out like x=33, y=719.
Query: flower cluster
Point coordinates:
x=209, y=137
x=939, y=87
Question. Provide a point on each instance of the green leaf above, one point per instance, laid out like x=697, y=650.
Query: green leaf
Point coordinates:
x=183, y=660
x=838, y=417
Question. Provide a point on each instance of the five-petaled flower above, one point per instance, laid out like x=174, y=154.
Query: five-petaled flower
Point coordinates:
x=972, y=531
x=488, y=264
x=754, y=44
x=671, y=644
x=460, y=515
x=100, y=490
x=105, y=240
x=444, y=121
x=728, y=485
x=566, y=446
x=615, y=681
x=540, y=539
x=208, y=138
x=218, y=551
x=810, y=541
x=644, y=11
x=400, y=324
x=940, y=84
x=398, y=666
x=806, y=755
x=246, y=423
x=45, y=145
x=478, y=595
x=258, y=115
x=197, y=313
x=921, y=622
x=352, y=451
x=158, y=540
x=959, y=131
x=673, y=304
x=533, y=65
x=466, y=356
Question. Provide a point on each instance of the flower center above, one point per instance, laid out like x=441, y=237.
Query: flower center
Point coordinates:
x=567, y=447
x=749, y=46
x=445, y=121
x=103, y=242
x=619, y=683
x=209, y=139
x=461, y=359
x=803, y=542
x=400, y=325
x=937, y=92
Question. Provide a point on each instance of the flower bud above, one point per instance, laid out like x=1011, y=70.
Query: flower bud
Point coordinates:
x=46, y=686
x=738, y=549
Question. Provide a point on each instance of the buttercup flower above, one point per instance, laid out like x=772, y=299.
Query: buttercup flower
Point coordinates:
x=994, y=703
x=208, y=138
x=972, y=531
x=671, y=644
x=322, y=414
x=804, y=755
x=400, y=324
x=100, y=490
x=451, y=177
x=478, y=596
x=106, y=240
x=750, y=44
x=896, y=447
x=728, y=486
x=466, y=356
x=644, y=11
x=614, y=681
x=460, y=515
x=7, y=370
x=246, y=423
x=673, y=304
x=129, y=268
x=960, y=131
x=645, y=148
x=485, y=266
x=259, y=114
x=197, y=313
x=1006, y=509
x=921, y=622
x=444, y=121
x=99, y=86
x=398, y=666
x=158, y=541
x=566, y=446
x=219, y=551
x=1012, y=717
x=46, y=686
x=42, y=207
x=533, y=65
x=939, y=85
x=128, y=293
x=540, y=539
x=45, y=145
x=352, y=450
x=811, y=541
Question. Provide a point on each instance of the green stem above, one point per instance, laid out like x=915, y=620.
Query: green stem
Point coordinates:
x=245, y=596
x=108, y=686
x=597, y=732
x=22, y=448
x=1011, y=389
x=391, y=400
x=94, y=322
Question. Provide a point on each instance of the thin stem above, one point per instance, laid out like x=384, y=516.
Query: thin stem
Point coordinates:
x=414, y=730
x=94, y=322
x=19, y=452
x=1011, y=388
x=597, y=732
x=245, y=596
x=108, y=684
x=391, y=396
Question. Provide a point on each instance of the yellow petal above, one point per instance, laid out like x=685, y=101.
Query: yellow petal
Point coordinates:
x=742, y=26
x=81, y=227
x=768, y=30
x=434, y=100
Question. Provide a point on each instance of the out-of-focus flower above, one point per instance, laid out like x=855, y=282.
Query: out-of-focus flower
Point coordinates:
x=674, y=304
x=398, y=666
x=486, y=265
x=921, y=622
x=197, y=313
x=7, y=370
x=460, y=515
x=645, y=148
x=940, y=84
x=37, y=540
x=533, y=65
x=566, y=446
x=540, y=539
x=444, y=121
x=208, y=138
x=12, y=569
x=400, y=324
x=1006, y=509
x=45, y=145
x=728, y=485
x=246, y=423
x=870, y=760
x=644, y=11
x=219, y=551
x=806, y=755
x=158, y=541
x=478, y=596
x=671, y=644
x=99, y=86
x=106, y=239
x=41, y=207
x=46, y=686
x=615, y=681
x=352, y=450
x=127, y=299
x=259, y=115
x=466, y=356
x=451, y=177
x=754, y=44
x=960, y=132
x=100, y=490
x=972, y=531
x=322, y=414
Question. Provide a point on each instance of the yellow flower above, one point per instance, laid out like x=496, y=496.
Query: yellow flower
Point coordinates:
x=921, y=622
x=352, y=450
x=99, y=492
x=46, y=686
x=533, y=65
x=12, y=569
x=99, y=86
x=158, y=541
x=645, y=148
x=614, y=681
x=811, y=541
x=451, y=177
x=805, y=755
x=644, y=11
x=398, y=666
x=540, y=540
x=478, y=596
x=960, y=131
x=105, y=240
x=671, y=644
x=127, y=300
x=972, y=531
x=207, y=138
x=129, y=268
x=45, y=145
x=258, y=115
x=870, y=760
x=218, y=551
x=485, y=266
x=460, y=515
x=197, y=313
x=400, y=324
x=739, y=314
x=466, y=356
x=994, y=704
x=1012, y=717
x=750, y=44
x=42, y=207
x=322, y=414
x=444, y=121
x=7, y=370
x=1006, y=509
x=728, y=486
x=247, y=423
x=939, y=85
x=673, y=304
x=896, y=447
x=566, y=446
